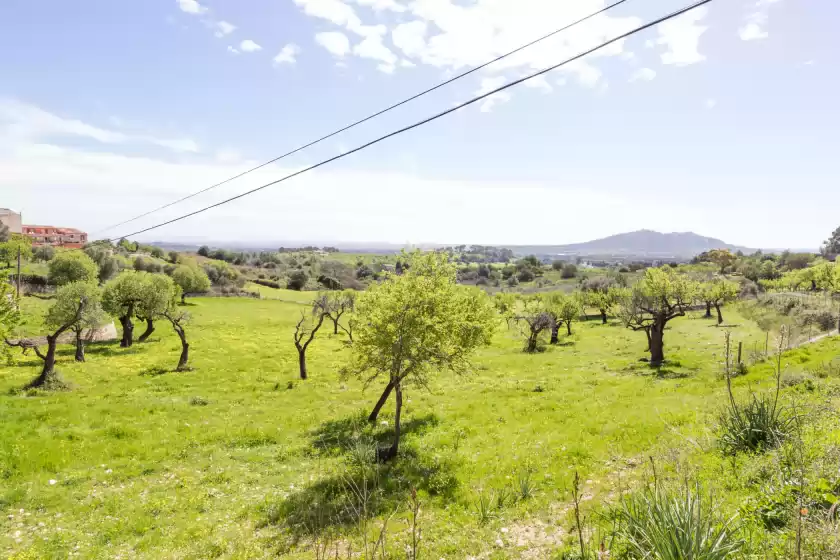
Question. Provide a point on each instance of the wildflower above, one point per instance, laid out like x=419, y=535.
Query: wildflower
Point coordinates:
x=53, y=481
x=803, y=512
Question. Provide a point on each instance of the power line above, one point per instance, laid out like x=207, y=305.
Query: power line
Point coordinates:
x=430, y=119
x=370, y=117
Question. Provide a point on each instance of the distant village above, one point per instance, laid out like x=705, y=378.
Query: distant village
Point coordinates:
x=57, y=236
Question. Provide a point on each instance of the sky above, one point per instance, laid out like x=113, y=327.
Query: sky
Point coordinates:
x=723, y=121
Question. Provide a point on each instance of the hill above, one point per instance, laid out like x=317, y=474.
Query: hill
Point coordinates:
x=642, y=243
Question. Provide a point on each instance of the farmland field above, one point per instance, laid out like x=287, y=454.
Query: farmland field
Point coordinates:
x=139, y=461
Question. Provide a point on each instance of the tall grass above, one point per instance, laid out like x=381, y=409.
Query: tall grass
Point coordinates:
x=675, y=525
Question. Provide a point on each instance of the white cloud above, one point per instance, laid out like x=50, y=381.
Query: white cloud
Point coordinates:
x=22, y=122
x=287, y=55
x=488, y=85
x=643, y=74
x=334, y=11
x=221, y=28
x=410, y=37
x=335, y=42
x=752, y=31
x=711, y=103
x=358, y=206
x=232, y=49
x=754, y=27
x=380, y=5
x=540, y=83
x=249, y=46
x=451, y=35
x=191, y=7
x=681, y=37
x=372, y=47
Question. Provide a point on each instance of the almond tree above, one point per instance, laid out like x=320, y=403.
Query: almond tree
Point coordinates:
x=827, y=278
x=66, y=302
x=533, y=317
x=178, y=319
x=564, y=309
x=70, y=313
x=121, y=298
x=305, y=331
x=717, y=293
x=335, y=304
x=659, y=297
x=157, y=293
x=417, y=323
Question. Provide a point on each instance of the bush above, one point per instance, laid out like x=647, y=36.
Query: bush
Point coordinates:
x=569, y=271
x=268, y=284
x=666, y=524
x=558, y=265
x=329, y=282
x=512, y=281
x=72, y=266
x=297, y=280
x=754, y=427
x=204, y=251
x=44, y=253
x=525, y=275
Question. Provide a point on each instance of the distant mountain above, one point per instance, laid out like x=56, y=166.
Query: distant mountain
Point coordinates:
x=642, y=243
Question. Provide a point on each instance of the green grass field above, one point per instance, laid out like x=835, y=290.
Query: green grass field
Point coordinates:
x=139, y=461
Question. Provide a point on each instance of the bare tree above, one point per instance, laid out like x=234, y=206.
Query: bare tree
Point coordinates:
x=334, y=305
x=305, y=331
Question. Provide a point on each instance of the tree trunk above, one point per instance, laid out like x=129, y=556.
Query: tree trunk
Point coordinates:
x=47, y=374
x=335, y=326
x=647, y=333
x=555, y=329
x=719, y=314
x=391, y=453
x=657, y=344
x=603, y=316
x=128, y=332
x=708, y=310
x=569, y=328
x=302, y=363
x=374, y=414
x=80, y=347
x=150, y=328
x=532, y=343
x=185, y=355
x=183, y=298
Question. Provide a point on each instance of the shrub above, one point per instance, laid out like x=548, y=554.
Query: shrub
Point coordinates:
x=268, y=284
x=72, y=266
x=754, y=427
x=512, y=281
x=569, y=271
x=558, y=265
x=297, y=280
x=329, y=282
x=666, y=524
x=525, y=275
x=44, y=253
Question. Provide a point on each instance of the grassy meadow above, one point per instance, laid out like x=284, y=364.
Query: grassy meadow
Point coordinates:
x=137, y=461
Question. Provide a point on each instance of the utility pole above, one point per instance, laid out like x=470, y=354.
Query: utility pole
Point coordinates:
x=18, y=278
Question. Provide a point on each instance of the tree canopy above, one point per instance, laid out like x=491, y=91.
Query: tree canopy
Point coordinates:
x=9, y=248
x=191, y=279
x=422, y=321
x=832, y=244
x=72, y=266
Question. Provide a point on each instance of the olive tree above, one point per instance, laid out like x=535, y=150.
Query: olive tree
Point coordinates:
x=564, y=310
x=659, y=297
x=121, y=298
x=533, y=317
x=717, y=293
x=602, y=293
x=505, y=304
x=832, y=244
x=417, y=323
x=64, y=314
x=65, y=306
x=191, y=279
x=72, y=266
x=158, y=291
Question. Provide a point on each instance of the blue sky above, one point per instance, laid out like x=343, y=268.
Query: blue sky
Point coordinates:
x=722, y=122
